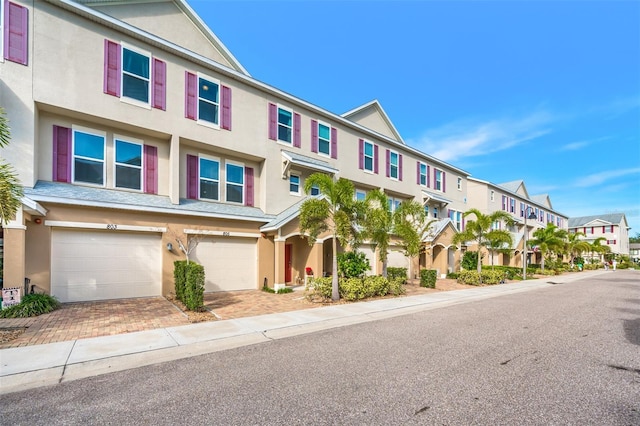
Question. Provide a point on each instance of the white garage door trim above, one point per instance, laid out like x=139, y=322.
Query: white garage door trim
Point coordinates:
x=100, y=265
x=230, y=263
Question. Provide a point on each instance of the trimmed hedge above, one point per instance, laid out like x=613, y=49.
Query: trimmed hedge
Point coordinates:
x=353, y=289
x=428, y=278
x=189, y=284
x=489, y=277
x=393, y=273
x=180, y=278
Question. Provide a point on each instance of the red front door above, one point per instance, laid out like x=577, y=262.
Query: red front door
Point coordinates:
x=287, y=263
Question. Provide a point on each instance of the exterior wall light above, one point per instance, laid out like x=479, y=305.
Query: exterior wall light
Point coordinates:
x=169, y=246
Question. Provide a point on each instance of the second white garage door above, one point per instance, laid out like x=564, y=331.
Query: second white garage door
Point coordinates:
x=99, y=265
x=229, y=263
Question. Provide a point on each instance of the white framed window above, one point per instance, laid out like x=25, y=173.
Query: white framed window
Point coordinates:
x=492, y=196
x=136, y=75
x=459, y=185
x=285, y=125
x=368, y=156
x=235, y=183
x=88, y=156
x=423, y=174
x=512, y=205
x=209, y=179
x=394, y=165
x=426, y=210
x=435, y=212
x=438, y=180
x=324, y=139
x=360, y=195
x=495, y=225
x=315, y=190
x=457, y=220
x=128, y=163
x=394, y=203
x=208, y=100
x=294, y=184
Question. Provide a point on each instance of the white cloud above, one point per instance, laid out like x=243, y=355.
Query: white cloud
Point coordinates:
x=459, y=139
x=601, y=178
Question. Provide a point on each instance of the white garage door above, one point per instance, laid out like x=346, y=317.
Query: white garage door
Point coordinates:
x=370, y=254
x=95, y=265
x=229, y=263
x=397, y=259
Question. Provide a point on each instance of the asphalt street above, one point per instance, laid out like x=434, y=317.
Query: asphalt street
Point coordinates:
x=567, y=354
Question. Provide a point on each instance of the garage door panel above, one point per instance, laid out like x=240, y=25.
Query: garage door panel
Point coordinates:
x=397, y=259
x=93, y=265
x=229, y=263
x=370, y=254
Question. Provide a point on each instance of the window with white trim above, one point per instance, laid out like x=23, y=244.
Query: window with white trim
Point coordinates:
x=495, y=225
x=512, y=205
x=208, y=100
x=209, y=179
x=235, y=183
x=314, y=190
x=88, y=156
x=438, y=180
x=493, y=195
x=423, y=174
x=294, y=184
x=360, y=195
x=324, y=139
x=368, y=154
x=459, y=184
x=128, y=164
x=136, y=75
x=394, y=203
x=285, y=125
x=394, y=165
x=435, y=212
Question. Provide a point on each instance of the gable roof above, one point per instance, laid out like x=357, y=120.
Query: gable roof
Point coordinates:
x=183, y=6
x=609, y=218
x=517, y=187
x=374, y=107
x=542, y=199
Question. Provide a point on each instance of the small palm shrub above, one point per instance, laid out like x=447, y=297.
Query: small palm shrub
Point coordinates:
x=31, y=305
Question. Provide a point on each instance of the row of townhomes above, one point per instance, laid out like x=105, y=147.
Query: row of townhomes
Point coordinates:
x=133, y=127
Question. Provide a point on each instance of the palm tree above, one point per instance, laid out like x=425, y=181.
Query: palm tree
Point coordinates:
x=575, y=245
x=378, y=225
x=412, y=225
x=335, y=211
x=477, y=230
x=597, y=247
x=497, y=239
x=11, y=191
x=549, y=240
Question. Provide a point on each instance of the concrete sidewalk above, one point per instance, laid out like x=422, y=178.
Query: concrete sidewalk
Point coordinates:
x=41, y=365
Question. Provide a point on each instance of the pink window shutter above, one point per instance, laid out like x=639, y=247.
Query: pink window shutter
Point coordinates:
x=190, y=95
x=150, y=169
x=273, y=122
x=297, y=130
x=16, y=33
x=334, y=143
x=159, y=93
x=62, y=155
x=226, y=108
x=388, y=162
x=314, y=136
x=361, y=154
x=400, y=167
x=112, y=61
x=375, y=159
x=248, y=181
x=192, y=177
x=444, y=181
x=428, y=177
x=418, y=172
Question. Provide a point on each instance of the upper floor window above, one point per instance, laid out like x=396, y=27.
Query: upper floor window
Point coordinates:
x=88, y=156
x=324, y=139
x=435, y=212
x=512, y=205
x=208, y=100
x=360, y=195
x=394, y=203
x=422, y=174
x=294, y=184
x=394, y=166
x=492, y=195
x=285, y=125
x=521, y=209
x=128, y=164
x=368, y=156
x=235, y=183
x=495, y=225
x=314, y=190
x=459, y=184
x=438, y=180
x=209, y=179
x=456, y=218
x=136, y=75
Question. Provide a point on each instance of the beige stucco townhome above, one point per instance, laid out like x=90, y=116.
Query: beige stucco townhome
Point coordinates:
x=134, y=129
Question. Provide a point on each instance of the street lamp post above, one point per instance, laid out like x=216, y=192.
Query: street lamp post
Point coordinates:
x=531, y=215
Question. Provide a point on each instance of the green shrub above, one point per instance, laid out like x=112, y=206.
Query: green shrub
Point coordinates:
x=268, y=289
x=490, y=277
x=319, y=287
x=376, y=286
x=31, y=305
x=396, y=286
x=352, y=289
x=393, y=273
x=428, y=278
x=180, y=278
x=352, y=264
x=469, y=260
x=452, y=275
x=510, y=272
x=469, y=277
x=194, y=289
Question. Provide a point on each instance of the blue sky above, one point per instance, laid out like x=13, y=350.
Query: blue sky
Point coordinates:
x=544, y=91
